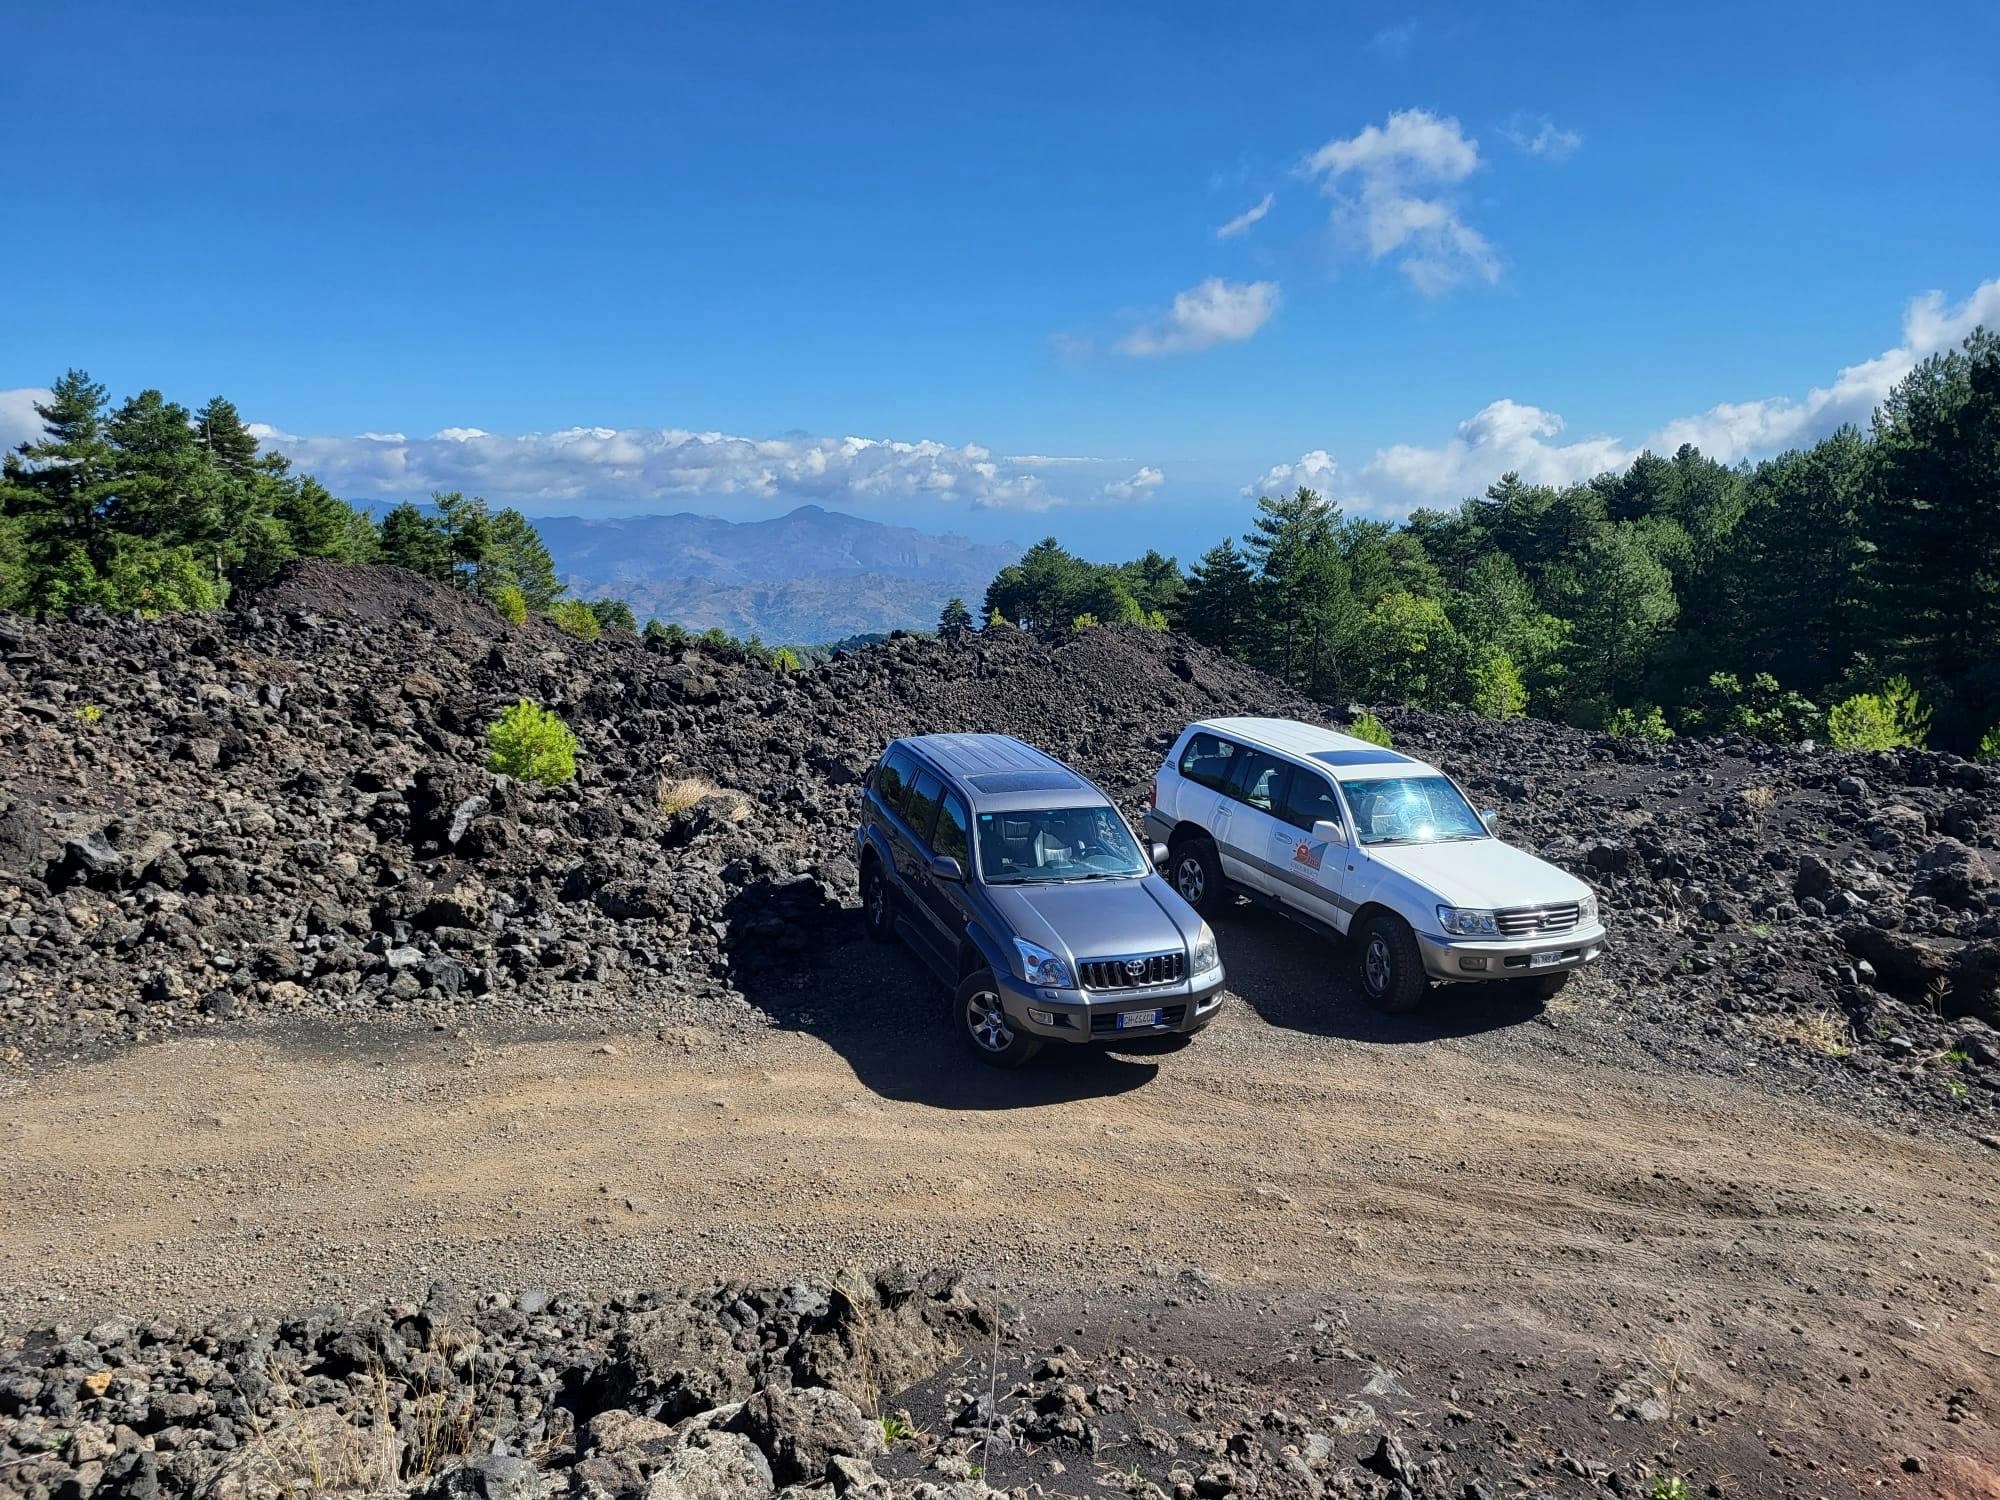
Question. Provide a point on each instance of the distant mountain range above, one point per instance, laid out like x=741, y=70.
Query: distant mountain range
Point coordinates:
x=806, y=577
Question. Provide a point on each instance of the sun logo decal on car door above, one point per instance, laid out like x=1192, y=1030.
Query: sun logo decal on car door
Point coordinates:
x=1306, y=852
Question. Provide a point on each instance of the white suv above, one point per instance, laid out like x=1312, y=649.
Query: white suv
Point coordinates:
x=1353, y=839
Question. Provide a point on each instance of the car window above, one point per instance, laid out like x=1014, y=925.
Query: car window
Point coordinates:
x=1259, y=780
x=1033, y=845
x=1411, y=810
x=1206, y=761
x=951, y=837
x=1309, y=800
x=921, y=810
x=892, y=780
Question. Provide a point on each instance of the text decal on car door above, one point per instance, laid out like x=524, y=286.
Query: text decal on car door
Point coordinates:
x=1306, y=852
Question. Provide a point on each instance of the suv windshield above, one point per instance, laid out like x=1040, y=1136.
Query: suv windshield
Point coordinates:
x=1059, y=843
x=1411, y=810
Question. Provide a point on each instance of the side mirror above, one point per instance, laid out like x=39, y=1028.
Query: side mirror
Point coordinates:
x=1489, y=816
x=944, y=867
x=1159, y=854
x=1326, y=831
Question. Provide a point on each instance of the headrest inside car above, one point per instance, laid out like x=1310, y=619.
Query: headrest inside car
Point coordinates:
x=1012, y=829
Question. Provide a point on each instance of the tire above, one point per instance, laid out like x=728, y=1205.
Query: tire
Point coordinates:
x=1196, y=875
x=993, y=1038
x=878, y=903
x=1388, y=968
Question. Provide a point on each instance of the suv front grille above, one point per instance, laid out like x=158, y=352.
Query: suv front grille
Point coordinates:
x=1133, y=973
x=1532, y=921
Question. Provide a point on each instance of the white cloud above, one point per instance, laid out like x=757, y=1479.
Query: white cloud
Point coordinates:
x=1508, y=435
x=1215, y=312
x=1538, y=135
x=18, y=422
x=1138, y=487
x=642, y=465
x=1245, y=219
x=1392, y=187
x=1395, y=41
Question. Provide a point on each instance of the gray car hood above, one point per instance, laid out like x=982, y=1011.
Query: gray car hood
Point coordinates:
x=1098, y=918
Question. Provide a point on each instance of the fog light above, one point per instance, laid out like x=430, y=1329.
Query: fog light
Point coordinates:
x=1472, y=963
x=1041, y=1017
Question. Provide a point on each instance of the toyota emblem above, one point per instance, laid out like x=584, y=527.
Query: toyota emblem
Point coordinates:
x=1135, y=968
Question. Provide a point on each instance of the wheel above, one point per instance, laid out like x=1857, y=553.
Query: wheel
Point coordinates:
x=993, y=1038
x=1197, y=875
x=1387, y=965
x=878, y=904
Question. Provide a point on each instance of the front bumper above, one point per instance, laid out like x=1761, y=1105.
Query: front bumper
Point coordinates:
x=1508, y=958
x=1092, y=1015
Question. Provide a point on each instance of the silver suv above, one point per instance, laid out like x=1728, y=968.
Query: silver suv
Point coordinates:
x=1018, y=882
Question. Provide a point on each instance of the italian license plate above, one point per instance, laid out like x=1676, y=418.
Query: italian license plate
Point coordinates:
x=1543, y=960
x=1127, y=1019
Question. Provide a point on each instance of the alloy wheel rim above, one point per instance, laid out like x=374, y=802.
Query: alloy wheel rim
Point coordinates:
x=1191, y=880
x=1375, y=965
x=988, y=1022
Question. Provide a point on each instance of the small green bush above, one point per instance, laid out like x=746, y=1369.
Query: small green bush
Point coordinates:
x=1644, y=722
x=1367, y=727
x=532, y=743
x=574, y=617
x=995, y=620
x=1989, y=746
x=512, y=604
x=784, y=659
x=1083, y=622
x=1497, y=691
x=1156, y=619
x=1888, y=720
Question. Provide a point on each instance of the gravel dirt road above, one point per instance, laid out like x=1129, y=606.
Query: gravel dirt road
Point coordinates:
x=1483, y=1168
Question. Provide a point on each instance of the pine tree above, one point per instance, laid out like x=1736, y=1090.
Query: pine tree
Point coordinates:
x=956, y=620
x=410, y=539
x=516, y=557
x=1219, y=608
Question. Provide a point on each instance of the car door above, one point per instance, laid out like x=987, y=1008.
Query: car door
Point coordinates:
x=944, y=900
x=913, y=854
x=890, y=789
x=1202, y=797
x=1310, y=872
x=1256, y=789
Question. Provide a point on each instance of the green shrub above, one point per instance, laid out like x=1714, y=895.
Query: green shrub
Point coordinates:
x=512, y=604
x=532, y=743
x=995, y=620
x=614, y=614
x=1497, y=691
x=784, y=659
x=1645, y=722
x=1083, y=622
x=574, y=617
x=1989, y=746
x=1367, y=727
x=1156, y=619
x=1887, y=720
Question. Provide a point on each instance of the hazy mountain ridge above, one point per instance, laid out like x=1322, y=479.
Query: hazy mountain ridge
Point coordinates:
x=807, y=576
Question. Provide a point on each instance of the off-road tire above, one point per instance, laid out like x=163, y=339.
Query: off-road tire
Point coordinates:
x=878, y=903
x=1195, y=873
x=1388, y=967
x=994, y=1039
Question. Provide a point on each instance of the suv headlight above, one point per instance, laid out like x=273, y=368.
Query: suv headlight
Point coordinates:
x=1465, y=921
x=1202, y=957
x=1586, y=909
x=1039, y=966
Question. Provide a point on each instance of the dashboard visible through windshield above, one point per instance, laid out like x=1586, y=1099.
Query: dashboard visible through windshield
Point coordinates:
x=1055, y=844
x=1411, y=810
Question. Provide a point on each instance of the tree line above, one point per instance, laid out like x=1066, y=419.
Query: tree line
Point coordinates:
x=1850, y=590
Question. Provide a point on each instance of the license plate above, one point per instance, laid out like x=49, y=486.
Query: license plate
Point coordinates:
x=1127, y=1019
x=1543, y=960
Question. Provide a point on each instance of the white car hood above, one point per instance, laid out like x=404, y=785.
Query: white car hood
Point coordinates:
x=1480, y=873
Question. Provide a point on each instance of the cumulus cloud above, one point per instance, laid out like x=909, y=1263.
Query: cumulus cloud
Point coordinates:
x=1245, y=219
x=1507, y=435
x=18, y=422
x=643, y=465
x=1393, y=187
x=1538, y=135
x=1215, y=312
x=1138, y=486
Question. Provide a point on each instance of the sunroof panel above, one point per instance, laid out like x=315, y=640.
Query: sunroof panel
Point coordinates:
x=1362, y=758
x=1025, y=781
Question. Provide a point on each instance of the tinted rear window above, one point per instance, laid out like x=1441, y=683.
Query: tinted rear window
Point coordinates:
x=892, y=780
x=1259, y=779
x=1310, y=800
x=1207, y=759
x=921, y=810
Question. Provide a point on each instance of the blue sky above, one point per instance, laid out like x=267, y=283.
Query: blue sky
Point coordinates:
x=648, y=258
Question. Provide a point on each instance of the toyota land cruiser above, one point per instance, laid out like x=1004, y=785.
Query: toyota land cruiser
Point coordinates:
x=1353, y=839
x=1018, y=882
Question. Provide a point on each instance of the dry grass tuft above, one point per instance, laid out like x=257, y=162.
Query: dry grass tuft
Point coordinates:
x=678, y=793
x=1759, y=799
x=1827, y=1032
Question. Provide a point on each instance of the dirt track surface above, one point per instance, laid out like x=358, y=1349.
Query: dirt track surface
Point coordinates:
x=1482, y=1169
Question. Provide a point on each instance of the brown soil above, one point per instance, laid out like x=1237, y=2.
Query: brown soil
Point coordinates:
x=1826, y=1286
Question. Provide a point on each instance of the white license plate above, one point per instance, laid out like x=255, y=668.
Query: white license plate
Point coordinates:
x=1543, y=960
x=1127, y=1019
